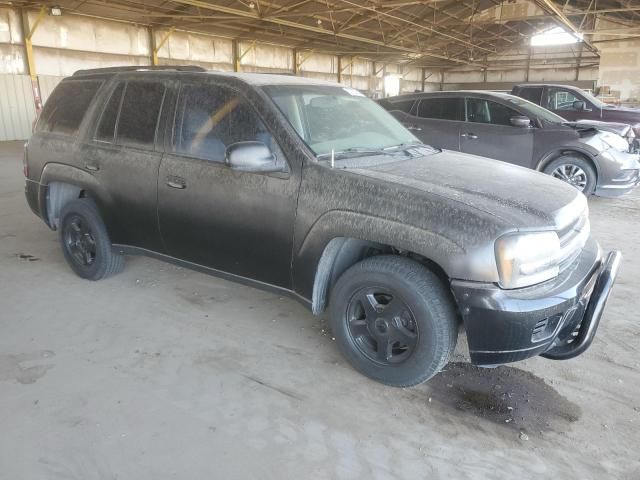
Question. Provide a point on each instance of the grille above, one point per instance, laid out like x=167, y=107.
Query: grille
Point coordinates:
x=572, y=240
x=540, y=326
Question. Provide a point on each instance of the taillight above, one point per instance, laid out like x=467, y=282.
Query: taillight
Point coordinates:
x=25, y=164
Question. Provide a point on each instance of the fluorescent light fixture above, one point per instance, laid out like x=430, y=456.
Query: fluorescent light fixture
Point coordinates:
x=391, y=85
x=55, y=11
x=555, y=36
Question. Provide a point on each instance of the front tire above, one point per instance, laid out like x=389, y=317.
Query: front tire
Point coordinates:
x=575, y=171
x=393, y=320
x=85, y=242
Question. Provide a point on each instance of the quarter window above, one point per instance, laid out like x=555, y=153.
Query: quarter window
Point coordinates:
x=67, y=105
x=441, y=108
x=402, y=105
x=211, y=118
x=139, y=113
x=480, y=110
x=107, y=126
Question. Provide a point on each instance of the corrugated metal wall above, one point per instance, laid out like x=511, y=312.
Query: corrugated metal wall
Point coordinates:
x=17, y=109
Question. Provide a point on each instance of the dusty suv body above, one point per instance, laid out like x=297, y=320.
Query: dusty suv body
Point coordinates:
x=257, y=178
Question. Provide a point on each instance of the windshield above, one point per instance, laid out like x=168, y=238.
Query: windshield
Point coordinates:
x=535, y=110
x=338, y=119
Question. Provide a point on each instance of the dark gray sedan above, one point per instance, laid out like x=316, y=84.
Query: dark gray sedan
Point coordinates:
x=514, y=130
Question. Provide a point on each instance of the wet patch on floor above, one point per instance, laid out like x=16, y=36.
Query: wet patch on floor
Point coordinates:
x=25, y=368
x=504, y=395
x=29, y=258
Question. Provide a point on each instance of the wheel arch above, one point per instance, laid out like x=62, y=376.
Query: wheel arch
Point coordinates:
x=64, y=183
x=573, y=151
x=339, y=239
x=341, y=253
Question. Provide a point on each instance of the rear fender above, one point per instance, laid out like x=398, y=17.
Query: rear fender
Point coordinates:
x=61, y=183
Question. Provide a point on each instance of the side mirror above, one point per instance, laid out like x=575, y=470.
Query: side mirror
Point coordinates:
x=579, y=105
x=251, y=157
x=520, y=121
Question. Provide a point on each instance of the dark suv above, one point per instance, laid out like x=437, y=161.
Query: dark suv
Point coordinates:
x=511, y=129
x=310, y=189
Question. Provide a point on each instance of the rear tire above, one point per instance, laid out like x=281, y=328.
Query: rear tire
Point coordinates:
x=393, y=320
x=85, y=242
x=576, y=171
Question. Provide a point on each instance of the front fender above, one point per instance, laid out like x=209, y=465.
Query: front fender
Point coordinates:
x=341, y=223
x=582, y=148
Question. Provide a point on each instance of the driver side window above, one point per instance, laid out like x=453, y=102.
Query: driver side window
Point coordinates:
x=560, y=99
x=210, y=118
x=480, y=110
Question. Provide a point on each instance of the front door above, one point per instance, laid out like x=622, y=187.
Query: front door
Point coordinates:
x=237, y=222
x=124, y=155
x=569, y=104
x=488, y=133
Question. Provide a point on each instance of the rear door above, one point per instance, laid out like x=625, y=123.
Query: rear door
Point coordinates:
x=488, y=132
x=438, y=120
x=237, y=222
x=123, y=152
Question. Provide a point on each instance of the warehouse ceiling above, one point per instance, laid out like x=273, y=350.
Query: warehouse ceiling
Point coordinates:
x=427, y=33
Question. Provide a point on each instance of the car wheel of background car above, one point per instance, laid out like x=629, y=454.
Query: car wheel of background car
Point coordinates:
x=576, y=171
x=85, y=241
x=393, y=320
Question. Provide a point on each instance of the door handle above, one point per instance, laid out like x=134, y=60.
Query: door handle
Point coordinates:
x=471, y=136
x=92, y=167
x=176, y=182
x=414, y=127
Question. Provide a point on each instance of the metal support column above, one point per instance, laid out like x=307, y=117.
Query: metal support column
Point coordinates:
x=27, y=33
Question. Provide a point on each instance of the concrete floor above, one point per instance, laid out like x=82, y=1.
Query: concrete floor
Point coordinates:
x=162, y=372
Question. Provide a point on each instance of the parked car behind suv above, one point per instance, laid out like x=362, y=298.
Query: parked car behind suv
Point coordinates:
x=310, y=189
x=573, y=103
x=511, y=129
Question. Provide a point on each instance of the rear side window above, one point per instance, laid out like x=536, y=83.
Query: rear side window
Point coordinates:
x=480, y=110
x=67, y=106
x=139, y=113
x=441, y=108
x=533, y=94
x=107, y=127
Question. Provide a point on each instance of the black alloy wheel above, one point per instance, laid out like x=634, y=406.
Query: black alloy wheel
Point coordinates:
x=382, y=325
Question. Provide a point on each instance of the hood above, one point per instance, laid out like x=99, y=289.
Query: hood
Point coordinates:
x=621, y=129
x=519, y=197
x=617, y=108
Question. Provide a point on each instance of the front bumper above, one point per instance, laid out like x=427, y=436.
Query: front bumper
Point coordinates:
x=618, y=173
x=557, y=319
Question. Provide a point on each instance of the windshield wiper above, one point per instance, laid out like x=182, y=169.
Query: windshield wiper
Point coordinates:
x=405, y=145
x=353, y=151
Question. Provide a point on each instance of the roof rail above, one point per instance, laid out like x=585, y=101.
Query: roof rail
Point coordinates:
x=141, y=68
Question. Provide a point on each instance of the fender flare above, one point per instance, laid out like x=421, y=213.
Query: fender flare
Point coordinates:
x=61, y=183
x=314, y=267
x=558, y=152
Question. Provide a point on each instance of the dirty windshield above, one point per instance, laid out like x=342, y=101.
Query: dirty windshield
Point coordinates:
x=339, y=119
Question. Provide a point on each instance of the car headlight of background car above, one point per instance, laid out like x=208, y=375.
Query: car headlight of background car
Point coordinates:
x=615, y=141
x=525, y=259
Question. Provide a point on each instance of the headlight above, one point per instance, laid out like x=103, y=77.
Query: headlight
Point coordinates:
x=525, y=259
x=615, y=141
